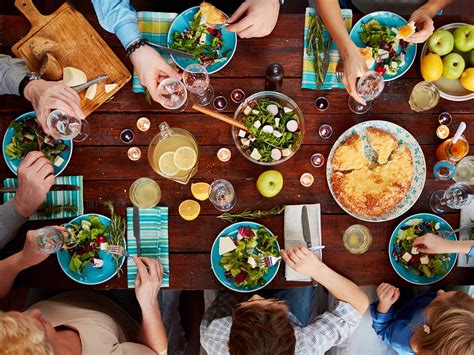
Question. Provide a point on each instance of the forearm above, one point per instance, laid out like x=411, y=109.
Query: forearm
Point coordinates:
x=9, y=269
x=10, y=221
x=12, y=72
x=432, y=7
x=341, y=287
x=153, y=332
x=459, y=247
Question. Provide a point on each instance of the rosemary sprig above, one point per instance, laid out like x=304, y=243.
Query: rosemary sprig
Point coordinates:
x=316, y=46
x=116, y=232
x=47, y=210
x=251, y=214
x=147, y=96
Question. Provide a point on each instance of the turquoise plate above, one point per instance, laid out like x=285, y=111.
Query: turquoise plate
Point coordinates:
x=181, y=23
x=90, y=276
x=408, y=275
x=231, y=231
x=388, y=19
x=14, y=163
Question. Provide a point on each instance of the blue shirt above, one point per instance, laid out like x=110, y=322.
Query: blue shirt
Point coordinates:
x=397, y=325
x=119, y=17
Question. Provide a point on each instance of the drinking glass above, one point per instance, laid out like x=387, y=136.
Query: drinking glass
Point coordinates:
x=222, y=195
x=68, y=127
x=145, y=193
x=369, y=86
x=50, y=240
x=197, y=80
x=424, y=96
x=465, y=170
x=455, y=196
x=357, y=239
x=172, y=95
x=443, y=170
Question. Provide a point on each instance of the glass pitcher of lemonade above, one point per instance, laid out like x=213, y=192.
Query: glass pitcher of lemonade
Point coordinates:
x=173, y=153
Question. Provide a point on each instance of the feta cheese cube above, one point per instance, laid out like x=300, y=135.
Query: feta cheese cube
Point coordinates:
x=252, y=262
x=414, y=251
x=425, y=259
x=252, y=138
x=242, y=133
x=255, y=112
x=245, y=142
x=287, y=109
x=277, y=121
x=277, y=134
x=104, y=246
x=406, y=256
x=226, y=245
x=202, y=39
x=97, y=263
x=383, y=54
x=247, y=110
x=255, y=154
x=257, y=124
x=58, y=161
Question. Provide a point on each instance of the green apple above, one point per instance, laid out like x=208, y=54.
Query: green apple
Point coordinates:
x=270, y=183
x=453, y=66
x=464, y=38
x=471, y=57
x=441, y=42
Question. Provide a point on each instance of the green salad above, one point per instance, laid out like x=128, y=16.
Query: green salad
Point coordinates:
x=205, y=43
x=239, y=264
x=29, y=136
x=89, y=236
x=273, y=131
x=420, y=264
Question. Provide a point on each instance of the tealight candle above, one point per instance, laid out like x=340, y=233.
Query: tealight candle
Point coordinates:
x=134, y=153
x=127, y=136
x=445, y=118
x=224, y=154
x=442, y=132
x=220, y=103
x=143, y=124
x=306, y=179
x=317, y=160
x=325, y=131
x=237, y=95
x=321, y=103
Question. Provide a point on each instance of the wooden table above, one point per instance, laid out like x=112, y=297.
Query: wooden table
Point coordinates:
x=102, y=160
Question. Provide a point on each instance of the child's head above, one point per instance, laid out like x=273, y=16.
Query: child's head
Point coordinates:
x=449, y=327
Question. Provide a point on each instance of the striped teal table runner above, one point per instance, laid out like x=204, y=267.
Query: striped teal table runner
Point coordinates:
x=56, y=198
x=153, y=239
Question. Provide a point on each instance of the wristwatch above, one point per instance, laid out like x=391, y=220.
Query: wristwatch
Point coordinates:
x=30, y=76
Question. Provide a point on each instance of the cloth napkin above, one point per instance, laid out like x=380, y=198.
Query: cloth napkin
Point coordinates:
x=55, y=198
x=293, y=231
x=154, y=27
x=153, y=240
x=309, y=76
x=467, y=216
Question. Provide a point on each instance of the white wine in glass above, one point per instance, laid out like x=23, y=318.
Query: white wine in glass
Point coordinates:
x=197, y=81
x=369, y=86
x=68, y=127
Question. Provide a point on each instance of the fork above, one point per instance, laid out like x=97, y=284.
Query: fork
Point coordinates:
x=339, y=70
x=266, y=261
x=120, y=250
x=446, y=234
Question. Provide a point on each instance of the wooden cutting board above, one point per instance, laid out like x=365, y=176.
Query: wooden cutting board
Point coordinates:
x=80, y=46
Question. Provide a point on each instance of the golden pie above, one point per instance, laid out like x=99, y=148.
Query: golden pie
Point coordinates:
x=211, y=14
x=373, y=189
x=350, y=155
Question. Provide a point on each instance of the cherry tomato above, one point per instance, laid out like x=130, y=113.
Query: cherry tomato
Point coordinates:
x=101, y=239
x=380, y=69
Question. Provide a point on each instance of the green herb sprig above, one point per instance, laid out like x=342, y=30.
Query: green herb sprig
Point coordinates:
x=47, y=210
x=316, y=46
x=251, y=214
x=116, y=232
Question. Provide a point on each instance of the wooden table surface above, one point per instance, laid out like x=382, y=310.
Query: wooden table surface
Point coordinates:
x=108, y=173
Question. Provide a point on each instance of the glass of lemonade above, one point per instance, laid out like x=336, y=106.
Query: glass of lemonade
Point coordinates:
x=357, y=239
x=173, y=153
x=424, y=96
x=145, y=193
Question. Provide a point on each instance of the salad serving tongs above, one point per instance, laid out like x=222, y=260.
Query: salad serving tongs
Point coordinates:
x=446, y=234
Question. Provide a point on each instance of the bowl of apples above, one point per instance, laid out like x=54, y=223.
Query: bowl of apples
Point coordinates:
x=447, y=60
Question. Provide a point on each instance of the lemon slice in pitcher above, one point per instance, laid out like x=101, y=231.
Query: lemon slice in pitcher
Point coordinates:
x=167, y=165
x=200, y=190
x=189, y=210
x=185, y=158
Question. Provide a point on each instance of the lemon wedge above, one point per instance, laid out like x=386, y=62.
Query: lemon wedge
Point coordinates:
x=189, y=210
x=200, y=191
x=185, y=158
x=167, y=165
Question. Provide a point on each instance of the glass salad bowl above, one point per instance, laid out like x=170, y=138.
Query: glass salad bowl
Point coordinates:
x=275, y=128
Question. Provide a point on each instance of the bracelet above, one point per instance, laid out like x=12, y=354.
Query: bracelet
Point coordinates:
x=135, y=45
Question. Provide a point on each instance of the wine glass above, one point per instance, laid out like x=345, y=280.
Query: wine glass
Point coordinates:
x=172, y=95
x=455, y=196
x=222, y=195
x=369, y=86
x=50, y=240
x=197, y=80
x=68, y=127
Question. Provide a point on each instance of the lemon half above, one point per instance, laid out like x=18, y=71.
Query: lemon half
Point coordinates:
x=200, y=191
x=189, y=210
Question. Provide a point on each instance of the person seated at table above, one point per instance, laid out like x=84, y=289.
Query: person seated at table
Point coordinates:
x=82, y=321
x=281, y=324
x=35, y=178
x=354, y=64
x=433, y=323
x=254, y=18
x=45, y=96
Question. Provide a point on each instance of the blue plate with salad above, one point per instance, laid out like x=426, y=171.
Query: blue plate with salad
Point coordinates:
x=384, y=32
x=233, y=256
x=25, y=134
x=87, y=263
x=412, y=265
x=212, y=47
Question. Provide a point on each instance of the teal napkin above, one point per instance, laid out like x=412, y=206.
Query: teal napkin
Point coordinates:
x=153, y=241
x=56, y=198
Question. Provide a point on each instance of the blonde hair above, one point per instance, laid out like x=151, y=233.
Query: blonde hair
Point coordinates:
x=19, y=335
x=449, y=327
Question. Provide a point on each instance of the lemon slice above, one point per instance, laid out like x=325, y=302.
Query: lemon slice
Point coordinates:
x=185, y=158
x=167, y=165
x=189, y=210
x=200, y=191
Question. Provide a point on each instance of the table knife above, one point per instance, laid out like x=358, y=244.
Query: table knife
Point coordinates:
x=306, y=229
x=326, y=58
x=56, y=187
x=136, y=228
x=84, y=86
x=175, y=52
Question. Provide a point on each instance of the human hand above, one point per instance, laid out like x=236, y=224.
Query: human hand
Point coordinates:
x=152, y=69
x=259, y=20
x=29, y=255
x=301, y=260
x=387, y=295
x=424, y=25
x=35, y=178
x=431, y=244
x=354, y=67
x=148, y=282
x=46, y=96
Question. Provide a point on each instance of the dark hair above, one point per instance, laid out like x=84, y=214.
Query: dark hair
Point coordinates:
x=262, y=330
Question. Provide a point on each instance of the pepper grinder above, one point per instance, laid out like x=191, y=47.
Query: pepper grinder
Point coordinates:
x=274, y=77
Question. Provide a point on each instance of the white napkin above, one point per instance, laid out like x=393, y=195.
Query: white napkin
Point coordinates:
x=467, y=216
x=294, y=234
